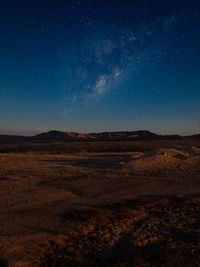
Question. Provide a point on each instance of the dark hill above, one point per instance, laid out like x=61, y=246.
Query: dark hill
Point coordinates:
x=104, y=136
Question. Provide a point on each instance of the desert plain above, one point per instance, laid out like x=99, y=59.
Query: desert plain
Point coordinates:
x=131, y=203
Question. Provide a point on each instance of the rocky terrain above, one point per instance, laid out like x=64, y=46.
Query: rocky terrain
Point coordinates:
x=100, y=204
x=160, y=232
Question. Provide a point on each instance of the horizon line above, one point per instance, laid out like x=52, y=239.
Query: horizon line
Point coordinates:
x=33, y=133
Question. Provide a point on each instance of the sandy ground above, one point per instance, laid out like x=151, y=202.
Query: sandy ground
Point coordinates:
x=100, y=208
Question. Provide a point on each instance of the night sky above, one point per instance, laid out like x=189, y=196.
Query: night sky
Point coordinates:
x=104, y=65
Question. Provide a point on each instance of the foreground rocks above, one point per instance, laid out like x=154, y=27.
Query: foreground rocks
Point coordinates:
x=160, y=232
x=100, y=204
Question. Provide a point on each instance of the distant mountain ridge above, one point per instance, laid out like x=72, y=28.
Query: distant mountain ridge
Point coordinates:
x=62, y=135
x=103, y=136
x=124, y=135
x=121, y=135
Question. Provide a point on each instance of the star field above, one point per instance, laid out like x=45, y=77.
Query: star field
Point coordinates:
x=100, y=65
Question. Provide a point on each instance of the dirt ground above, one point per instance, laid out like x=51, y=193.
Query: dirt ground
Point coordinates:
x=100, y=204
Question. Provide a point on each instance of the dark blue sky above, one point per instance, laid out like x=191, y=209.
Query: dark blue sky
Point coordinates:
x=92, y=65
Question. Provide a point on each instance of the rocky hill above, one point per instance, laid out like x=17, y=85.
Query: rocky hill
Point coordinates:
x=103, y=136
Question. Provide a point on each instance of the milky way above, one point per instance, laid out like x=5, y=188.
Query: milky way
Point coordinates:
x=105, y=61
x=100, y=65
